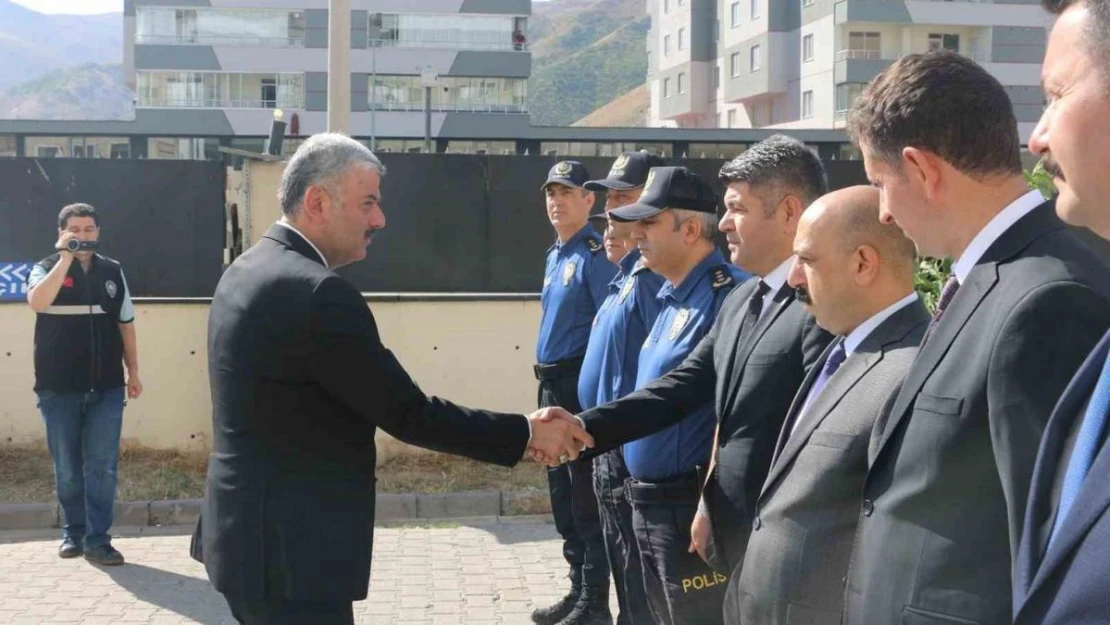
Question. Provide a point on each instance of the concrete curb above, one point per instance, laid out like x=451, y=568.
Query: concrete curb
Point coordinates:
x=185, y=512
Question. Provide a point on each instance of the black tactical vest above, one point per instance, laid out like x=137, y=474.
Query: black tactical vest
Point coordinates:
x=78, y=346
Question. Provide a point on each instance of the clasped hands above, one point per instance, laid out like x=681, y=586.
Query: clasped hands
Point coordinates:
x=557, y=437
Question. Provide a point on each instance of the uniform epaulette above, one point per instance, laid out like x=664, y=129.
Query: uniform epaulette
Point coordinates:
x=722, y=277
x=594, y=245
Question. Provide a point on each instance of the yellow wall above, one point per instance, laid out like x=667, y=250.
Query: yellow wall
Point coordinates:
x=477, y=353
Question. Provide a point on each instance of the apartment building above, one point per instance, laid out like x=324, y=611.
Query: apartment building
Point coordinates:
x=221, y=67
x=801, y=63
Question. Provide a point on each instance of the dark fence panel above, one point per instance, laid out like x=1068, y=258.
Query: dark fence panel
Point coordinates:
x=471, y=223
x=163, y=220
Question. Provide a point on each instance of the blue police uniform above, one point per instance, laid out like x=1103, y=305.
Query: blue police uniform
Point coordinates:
x=664, y=466
x=576, y=279
x=609, y=373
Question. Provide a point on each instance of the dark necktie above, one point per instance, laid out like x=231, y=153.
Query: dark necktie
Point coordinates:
x=755, y=304
x=835, y=359
x=1087, y=444
x=946, y=295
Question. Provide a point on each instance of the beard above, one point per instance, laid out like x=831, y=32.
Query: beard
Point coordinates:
x=803, y=295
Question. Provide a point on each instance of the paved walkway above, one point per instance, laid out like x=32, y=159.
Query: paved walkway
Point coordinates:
x=478, y=573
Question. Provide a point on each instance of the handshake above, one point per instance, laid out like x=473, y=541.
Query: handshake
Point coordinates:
x=557, y=437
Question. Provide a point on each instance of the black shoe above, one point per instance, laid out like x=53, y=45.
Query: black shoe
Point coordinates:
x=70, y=548
x=592, y=607
x=555, y=613
x=104, y=555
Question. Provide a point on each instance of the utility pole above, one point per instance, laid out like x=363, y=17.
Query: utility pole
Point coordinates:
x=339, y=66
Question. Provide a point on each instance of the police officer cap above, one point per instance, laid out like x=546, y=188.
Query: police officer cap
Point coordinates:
x=669, y=187
x=629, y=171
x=567, y=173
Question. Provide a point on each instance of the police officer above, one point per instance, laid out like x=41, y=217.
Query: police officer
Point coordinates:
x=674, y=225
x=576, y=281
x=84, y=335
x=609, y=371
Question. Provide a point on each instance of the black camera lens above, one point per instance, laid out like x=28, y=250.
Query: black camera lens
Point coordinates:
x=73, y=245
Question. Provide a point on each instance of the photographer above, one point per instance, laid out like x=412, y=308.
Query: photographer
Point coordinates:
x=84, y=334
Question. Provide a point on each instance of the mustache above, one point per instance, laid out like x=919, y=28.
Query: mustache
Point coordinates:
x=803, y=295
x=1052, y=167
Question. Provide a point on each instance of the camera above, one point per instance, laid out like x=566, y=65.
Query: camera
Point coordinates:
x=74, y=245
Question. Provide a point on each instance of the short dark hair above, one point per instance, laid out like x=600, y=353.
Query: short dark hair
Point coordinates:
x=77, y=210
x=942, y=102
x=780, y=162
x=1098, y=31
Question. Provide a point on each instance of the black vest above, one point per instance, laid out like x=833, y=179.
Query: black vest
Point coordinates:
x=78, y=346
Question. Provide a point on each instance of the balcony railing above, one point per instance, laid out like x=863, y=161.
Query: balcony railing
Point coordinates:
x=186, y=40
x=507, y=46
x=508, y=109
x=219, y=103
x=859, y=55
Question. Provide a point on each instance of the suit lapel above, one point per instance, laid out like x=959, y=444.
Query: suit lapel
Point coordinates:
x=748, y=338
x=741, y=315
x=979, y=283
x=1092, y=499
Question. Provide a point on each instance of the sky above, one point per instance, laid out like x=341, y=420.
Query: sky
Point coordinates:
x=76, y=7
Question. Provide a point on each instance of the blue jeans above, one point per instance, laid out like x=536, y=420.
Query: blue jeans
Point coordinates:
x=82, y=432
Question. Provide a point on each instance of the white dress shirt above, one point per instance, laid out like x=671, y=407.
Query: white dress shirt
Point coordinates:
x=286, y=224
x=995, y=228
x=775, y=281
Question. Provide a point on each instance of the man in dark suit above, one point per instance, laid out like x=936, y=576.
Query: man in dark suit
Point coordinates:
x=300, y=382
x=754, y=357
x=1061, y=569
x=945, y=495
x=855, y=274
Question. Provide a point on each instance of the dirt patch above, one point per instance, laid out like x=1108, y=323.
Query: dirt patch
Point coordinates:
x=27, y=476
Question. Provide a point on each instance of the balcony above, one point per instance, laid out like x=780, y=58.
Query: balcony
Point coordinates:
x=499, y=46
x=241, y=41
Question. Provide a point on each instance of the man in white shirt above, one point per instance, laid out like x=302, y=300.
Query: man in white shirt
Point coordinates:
x=945, y=494
x=855, y=274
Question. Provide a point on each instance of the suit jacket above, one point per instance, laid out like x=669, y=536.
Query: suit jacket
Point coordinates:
x=300, y=382
x=1067, y=584
x=945, y=495
x=797, y=556
x=753, y=371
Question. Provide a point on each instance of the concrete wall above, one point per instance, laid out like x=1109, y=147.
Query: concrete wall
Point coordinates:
x=477, y=353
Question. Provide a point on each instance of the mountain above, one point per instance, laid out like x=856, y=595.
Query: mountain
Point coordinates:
x=585, y=53
x=88, y=91
x=33, y=45
x=627, y=111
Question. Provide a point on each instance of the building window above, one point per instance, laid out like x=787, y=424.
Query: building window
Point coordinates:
x=666, y=88
x=220, y=90
x=846, y=94
x=862, y=45
x=807, y=48
x=466, y=32
x=753, y=60
x=732, y=118
x=666, y=45
x=717, y=77
x=807, y=3
x=232, y=27
x=755, y=9
x=681, y=38
x=682, y=82
x=734, y=64
x=807, y=104
x=716, y=29
x=454, y=93
x=944, y=42
x=735, y=9
x=666, y=5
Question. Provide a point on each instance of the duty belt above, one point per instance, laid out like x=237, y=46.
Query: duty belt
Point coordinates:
x=680, y=489
x=558, y=370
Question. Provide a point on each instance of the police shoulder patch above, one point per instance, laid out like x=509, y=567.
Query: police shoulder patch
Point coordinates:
x=721, y=277
x=594, y=245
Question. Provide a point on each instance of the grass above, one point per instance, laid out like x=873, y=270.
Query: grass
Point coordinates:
x=27, y=476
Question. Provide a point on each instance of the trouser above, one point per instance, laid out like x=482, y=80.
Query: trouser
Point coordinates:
x=681, y=588
x=573, y=503
x=283, y=612
x=82, y=433
x=623, y=553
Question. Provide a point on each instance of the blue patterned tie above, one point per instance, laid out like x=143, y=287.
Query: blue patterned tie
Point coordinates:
x=836, y=358
x=1086, y=447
